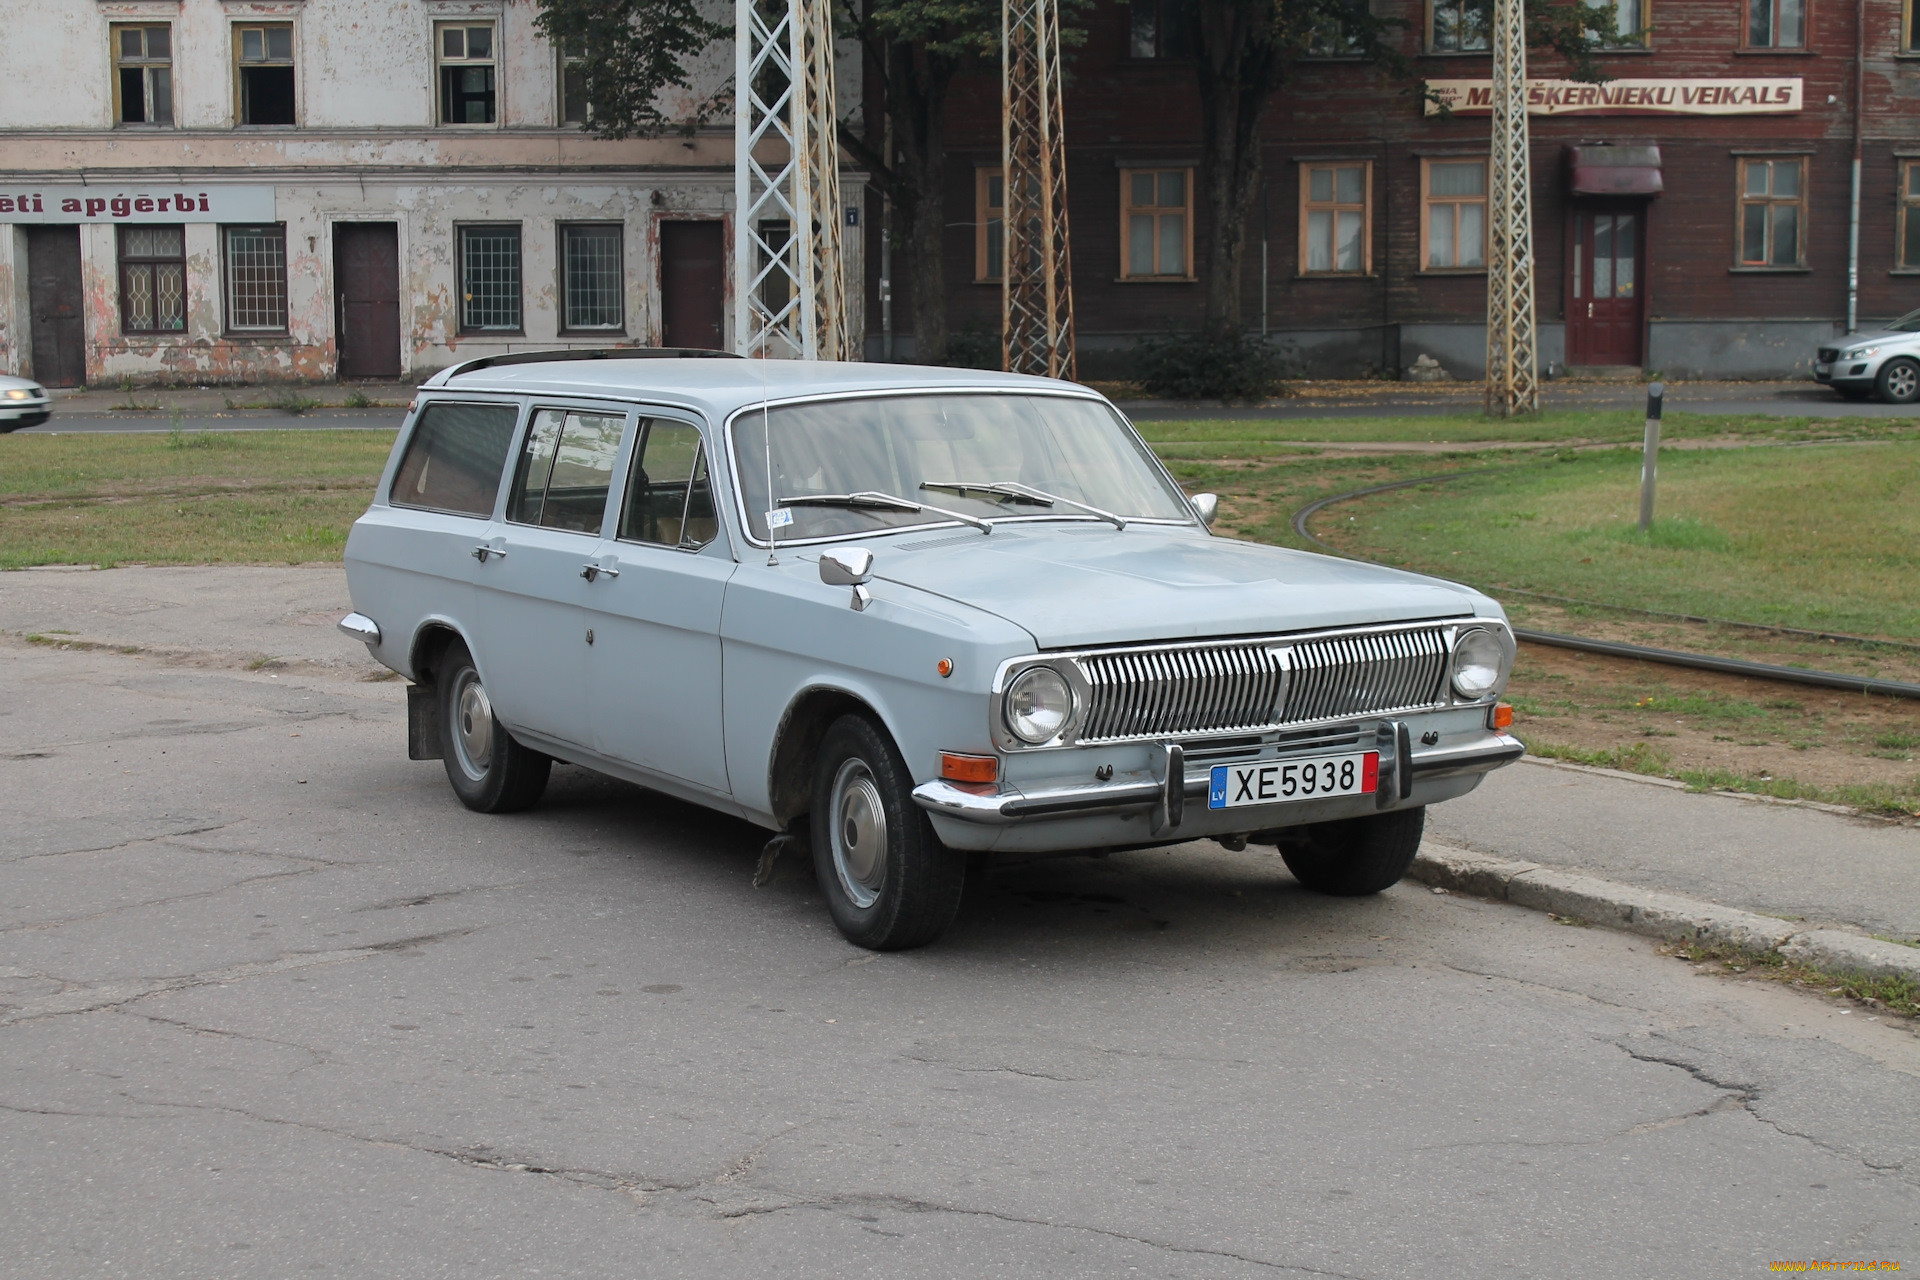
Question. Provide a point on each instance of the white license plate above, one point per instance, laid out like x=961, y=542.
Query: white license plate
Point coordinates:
x=1278, y=781
x=1823, y=368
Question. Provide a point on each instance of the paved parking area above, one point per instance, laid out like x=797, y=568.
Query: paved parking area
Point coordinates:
x=272, y=1004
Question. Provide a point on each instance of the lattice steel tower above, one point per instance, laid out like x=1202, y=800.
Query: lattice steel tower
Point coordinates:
x=1513, y=383
x=790, y=293
x=1036, y=296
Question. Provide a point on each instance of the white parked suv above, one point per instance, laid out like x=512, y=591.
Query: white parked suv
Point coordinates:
x=1886, y=363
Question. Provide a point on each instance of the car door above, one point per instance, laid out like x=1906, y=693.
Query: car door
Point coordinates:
x=535, y=634
x=654, y=670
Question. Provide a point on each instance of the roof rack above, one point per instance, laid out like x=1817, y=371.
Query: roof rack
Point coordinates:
x=577, y=353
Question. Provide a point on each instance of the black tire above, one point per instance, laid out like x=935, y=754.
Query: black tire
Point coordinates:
x=890, y=884
x=1899, y=381
x=489, y=770
x=1355, y=857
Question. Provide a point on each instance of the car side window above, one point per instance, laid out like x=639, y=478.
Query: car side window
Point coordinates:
x=669, y=496
x=566, y=469
x=454, y=458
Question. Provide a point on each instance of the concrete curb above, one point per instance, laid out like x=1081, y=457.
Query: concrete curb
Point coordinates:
x=1658, y=915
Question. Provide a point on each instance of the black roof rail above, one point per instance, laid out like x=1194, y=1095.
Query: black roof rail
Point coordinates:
x=594, y=353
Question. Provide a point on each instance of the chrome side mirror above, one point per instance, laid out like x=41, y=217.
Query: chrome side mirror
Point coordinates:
x=849, y=567
x=1206, y=506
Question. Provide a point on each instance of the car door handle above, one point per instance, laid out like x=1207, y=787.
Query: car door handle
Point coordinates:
x=482, y=551
x=593, y=571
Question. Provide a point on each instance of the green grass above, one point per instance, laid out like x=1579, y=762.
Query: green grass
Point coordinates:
x=1897, y=995
x=184, y=497
x=1263, y=437
x=1825, y=537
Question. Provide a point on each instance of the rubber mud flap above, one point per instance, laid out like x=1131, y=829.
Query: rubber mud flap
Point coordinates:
x=423, y=722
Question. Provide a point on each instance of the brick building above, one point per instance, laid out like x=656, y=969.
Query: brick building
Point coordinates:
x=1691, y=216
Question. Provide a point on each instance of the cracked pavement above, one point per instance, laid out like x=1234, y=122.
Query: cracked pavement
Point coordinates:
x=272, y=1004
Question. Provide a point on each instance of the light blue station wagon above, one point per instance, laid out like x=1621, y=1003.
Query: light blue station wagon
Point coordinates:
x=908, y=617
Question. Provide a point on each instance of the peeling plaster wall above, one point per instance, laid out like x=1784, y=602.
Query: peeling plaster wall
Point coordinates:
x=16, y=349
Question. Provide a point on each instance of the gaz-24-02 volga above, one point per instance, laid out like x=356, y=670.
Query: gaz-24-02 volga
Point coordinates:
x=913, y=615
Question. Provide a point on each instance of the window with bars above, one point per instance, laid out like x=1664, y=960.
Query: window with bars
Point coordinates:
x=590, y=277
x=1335, y=219
x=1459, y=26
x=1160, y=28
x=574, y=106
x=1772, y=213
x=1776, y=24
x=466, y=58
x=256, y=262
x=153, y=279
x=1156, y=224
x=490, y=279
x=263, y=73
x=1453, y=230
x=143, y=74
x=989, y=226
x=1910, y=215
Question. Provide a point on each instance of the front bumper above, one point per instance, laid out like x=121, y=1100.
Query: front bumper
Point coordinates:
x=1848, y=373
x=16, y=414
x=1404, y=768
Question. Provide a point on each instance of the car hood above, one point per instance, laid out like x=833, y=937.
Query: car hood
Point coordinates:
x=1882, y=338
x=1090, y=584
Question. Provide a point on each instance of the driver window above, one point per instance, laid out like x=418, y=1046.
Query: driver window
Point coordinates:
x=566, y=470
x=669, y=499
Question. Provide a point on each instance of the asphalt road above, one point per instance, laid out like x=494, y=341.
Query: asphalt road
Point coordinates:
x=272, y=1004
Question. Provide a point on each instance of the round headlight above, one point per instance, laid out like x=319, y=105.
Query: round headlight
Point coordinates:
x=1477, y=656
x=1038, y=705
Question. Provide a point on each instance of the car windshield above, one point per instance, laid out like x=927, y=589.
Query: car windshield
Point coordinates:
x=927, y=449
x=1908, y=323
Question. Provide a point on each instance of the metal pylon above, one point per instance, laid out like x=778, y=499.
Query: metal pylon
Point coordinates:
x=1036, y=296
x=1513, y=383
x=789, y=287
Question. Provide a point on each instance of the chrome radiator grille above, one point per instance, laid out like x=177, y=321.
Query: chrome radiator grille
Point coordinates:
x=1259, y=685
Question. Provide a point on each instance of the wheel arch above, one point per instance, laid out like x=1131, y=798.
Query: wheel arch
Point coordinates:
x=430, y=641
x=797, y=742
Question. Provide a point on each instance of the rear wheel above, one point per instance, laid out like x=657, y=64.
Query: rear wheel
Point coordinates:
x=490, y=772
x=1899, y=381
x=1357, y=856
x=890, y=884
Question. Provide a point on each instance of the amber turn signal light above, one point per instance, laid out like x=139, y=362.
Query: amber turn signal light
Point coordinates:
x=955, y=767
x=1502, y=715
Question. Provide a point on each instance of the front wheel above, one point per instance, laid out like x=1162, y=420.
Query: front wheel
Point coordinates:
x=1357, y=856
x=489, y=770
x=1899, y=381
x=890, y=884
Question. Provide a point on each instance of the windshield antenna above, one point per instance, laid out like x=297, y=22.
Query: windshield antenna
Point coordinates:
x=766, y=440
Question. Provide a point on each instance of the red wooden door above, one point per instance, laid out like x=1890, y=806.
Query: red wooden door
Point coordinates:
x=692, y=285
x=1604, y=308
x=366, y=281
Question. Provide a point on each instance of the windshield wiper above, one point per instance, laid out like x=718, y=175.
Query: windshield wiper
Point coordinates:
x=1023, y=493
x=870, y=499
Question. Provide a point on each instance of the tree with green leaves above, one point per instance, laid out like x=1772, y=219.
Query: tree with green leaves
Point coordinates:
x=627, y=53
x=1245, y=52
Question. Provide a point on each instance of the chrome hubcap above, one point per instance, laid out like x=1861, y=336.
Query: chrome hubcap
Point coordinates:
x=859, y=833
x=1901, y=381
x=473, y=725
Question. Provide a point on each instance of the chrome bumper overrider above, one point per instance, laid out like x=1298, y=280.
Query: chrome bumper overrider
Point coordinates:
x=361, y=628
x=1007, y=805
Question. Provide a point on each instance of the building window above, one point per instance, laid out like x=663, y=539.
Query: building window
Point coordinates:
x=1334, y=219
x=1629, y=23
x=490, y=279
x=263, y=73
x=1453, y=230
x=1156, y=220
x=1776, y=24
x=465, y=51
x=591, y=280
x=1772, y=212
x=143, y=74
x=256, y=260
x=1459, y=26
x=574, y=107
x=990, y=226
x=1161, y=28
x=1333, y=34
x=153, y=279
x=1910, y=27
x=1910, y=214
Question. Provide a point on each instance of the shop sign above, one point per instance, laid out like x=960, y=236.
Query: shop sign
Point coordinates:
x=67, y=202
x=1717, y=97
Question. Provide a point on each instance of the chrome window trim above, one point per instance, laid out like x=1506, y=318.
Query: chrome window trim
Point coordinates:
x=1063, y=393
x=1067, y=663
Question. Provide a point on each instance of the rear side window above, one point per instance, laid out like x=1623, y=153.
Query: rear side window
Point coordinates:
x=454, y=459
x=669, y=499
x=566, y=469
